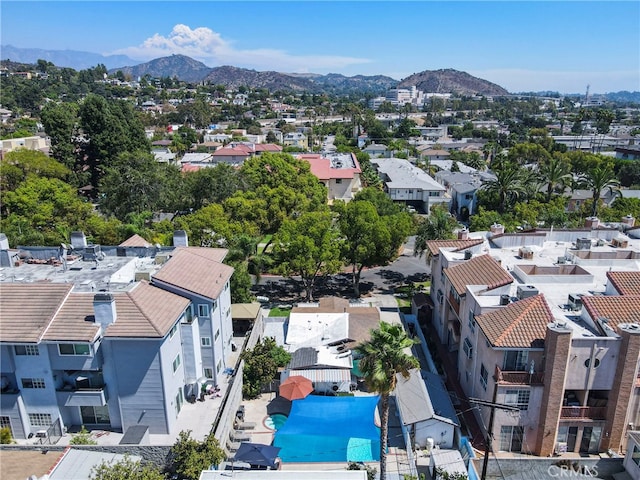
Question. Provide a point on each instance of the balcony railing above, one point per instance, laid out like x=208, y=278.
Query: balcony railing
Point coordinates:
x=519, y=378
x=586, y=413
x=85, y=396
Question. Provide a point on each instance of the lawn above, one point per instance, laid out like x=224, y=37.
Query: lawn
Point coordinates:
x=279, y=312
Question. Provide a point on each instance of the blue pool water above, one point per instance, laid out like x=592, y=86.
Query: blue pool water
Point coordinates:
x=275, y=421
x=330, y=429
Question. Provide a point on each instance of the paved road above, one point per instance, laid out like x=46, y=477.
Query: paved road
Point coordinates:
x=375, y=280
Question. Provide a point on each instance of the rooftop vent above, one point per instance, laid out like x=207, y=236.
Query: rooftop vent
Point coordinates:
x=574, y=301
x=505, y=299
x=583, y=243
x=468, y=254
x=526, y=253
x=620, y=242
x=526, y=291
x=180, y=239
x=629, y=221
x=497, y=229
x=592, y=222
x=463, y=234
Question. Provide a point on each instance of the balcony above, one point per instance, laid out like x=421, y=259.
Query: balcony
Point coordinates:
x=82, y=397
x=519, y=378
x=583, y=413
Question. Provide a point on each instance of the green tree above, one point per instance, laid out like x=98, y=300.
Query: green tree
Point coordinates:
x=83, y=437
x=366, y=238
x=19, y=164
x=383, y=357
x=5, y=436
x=555, y=173
x=439, y=225
x=212, y=185
x=597, y=180
x=308, y=246
x=60, y=122
x=189, y=457
x=261, y=364
x=507, y=185
x=127, y=468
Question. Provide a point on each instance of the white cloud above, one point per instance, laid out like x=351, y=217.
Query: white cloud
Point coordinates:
x=210, y=48
x=561, y=81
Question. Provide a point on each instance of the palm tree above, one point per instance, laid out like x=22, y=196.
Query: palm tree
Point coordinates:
x=507, y=185
x=439, y=225
x=383, y=357
x=555, y=173
x=598, y=179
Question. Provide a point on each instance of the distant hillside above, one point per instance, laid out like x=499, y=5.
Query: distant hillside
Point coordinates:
x=63, y=58
x=451, y=81
x=234, y=77
x=179, y=66
x=336, y=83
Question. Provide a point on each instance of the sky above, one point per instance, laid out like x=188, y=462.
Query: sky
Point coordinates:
x=522, y=46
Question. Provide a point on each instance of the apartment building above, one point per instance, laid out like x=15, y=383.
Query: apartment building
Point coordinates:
x=339, y=172
x=547, y=322
x=109, y=337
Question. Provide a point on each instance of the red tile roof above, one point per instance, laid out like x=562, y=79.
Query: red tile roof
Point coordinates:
x=187, y=167
x=481, y=270
x=434, y=246
x=26, y=310
x=321, y=167
x=268, y=147
x=196, y=269
x=238, y=150
x=616, y=309
x=626, y=283
x=521, y=324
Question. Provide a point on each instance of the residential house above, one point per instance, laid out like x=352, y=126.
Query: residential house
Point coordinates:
x=405, y=183
x=340, y=173
x=425, y=409
x=110, y=337
x=463, y=188
x=28, y=143
x=631, y=152
x=429, y=154
x=296, y=139
x=376, y=150
x=232, y=155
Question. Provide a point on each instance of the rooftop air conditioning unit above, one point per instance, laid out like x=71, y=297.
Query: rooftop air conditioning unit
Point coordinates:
x=526, y=291
x=620, y=242
x=575, y=301
x=583, y=243
x=526, y=253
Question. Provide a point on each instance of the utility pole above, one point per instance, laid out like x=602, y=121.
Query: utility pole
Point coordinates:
x=489, y=440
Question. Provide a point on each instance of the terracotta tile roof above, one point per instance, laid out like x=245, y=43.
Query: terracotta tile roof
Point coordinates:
x=238, y=151
x=481, y=270
x=196, y=269
x=434, y=246
x=521, y=324
x=26, y=310
x=146, y=311
x=616, y=309
x=268, y=147
x=626, y=283
x=135, y=241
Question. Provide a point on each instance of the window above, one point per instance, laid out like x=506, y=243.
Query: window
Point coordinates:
x=454, y=295
x=30, y=350
x=484, y=376
x=596, y=363
x=472, y=321
x=216, y=335
x=635, y=456
x=40, y=419
x=468, y=197
x=176, y=363
x=5, y=422
x=338, y=181
x=214, y=306
x=467, y=348
x=205, y=341
x=434, y=194
x=33, y=383
x=74, y=349
x=515, y=361
x=203, y=310
x=95, y=415
x=173, y=330
x=518, y=398
x=440, y=296
x=511, y=438
x=208, y=372
x=188, y=315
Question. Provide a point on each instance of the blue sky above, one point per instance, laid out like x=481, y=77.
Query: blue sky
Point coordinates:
x=522, y=46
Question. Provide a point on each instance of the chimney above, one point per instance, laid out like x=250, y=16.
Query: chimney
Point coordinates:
x=629, y=221
x=592, y=222
x=4, y=242
x=180, y=239
x=104, y=309
x=78, y=240
x=463, y=234
x=497, y=229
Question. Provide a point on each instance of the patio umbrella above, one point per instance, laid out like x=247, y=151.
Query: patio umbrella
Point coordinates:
x=296, y=387
x=257, y=454
x=279, y=405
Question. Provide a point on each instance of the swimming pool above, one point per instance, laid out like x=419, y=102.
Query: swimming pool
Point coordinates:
x=330, y=429
x=275, y=421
